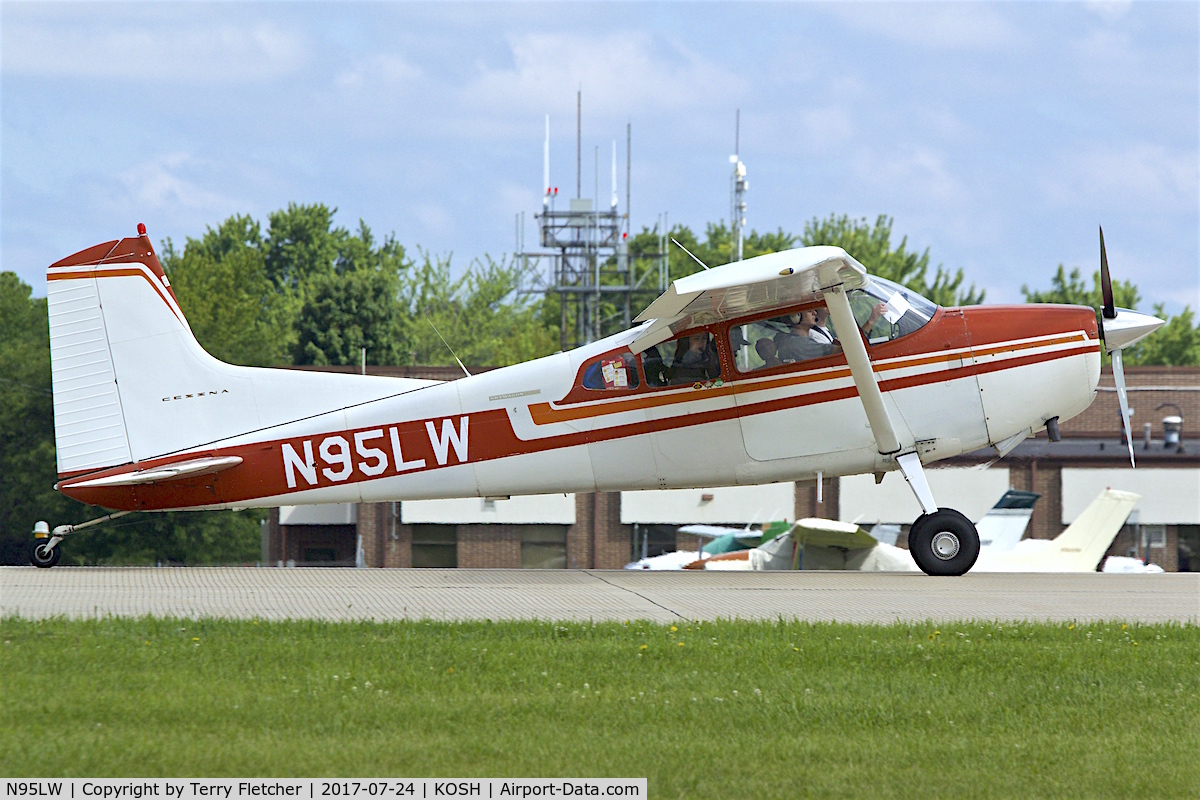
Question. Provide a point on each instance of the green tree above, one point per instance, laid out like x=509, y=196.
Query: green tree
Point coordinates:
x=1175, y=344
x=871, y=246
x=27, y=463
x=482, y=315
x=301, y=243
x=343, y=313
x=181, y=538
x=1070, y=288
x=234, y=310
x=354, y=303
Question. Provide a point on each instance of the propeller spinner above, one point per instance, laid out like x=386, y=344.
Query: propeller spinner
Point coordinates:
x=1119, y=328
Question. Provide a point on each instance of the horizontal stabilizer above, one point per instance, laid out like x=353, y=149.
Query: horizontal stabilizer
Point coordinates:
x=166, y=472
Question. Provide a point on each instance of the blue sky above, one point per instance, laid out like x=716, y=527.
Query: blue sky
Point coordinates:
x=997, y=135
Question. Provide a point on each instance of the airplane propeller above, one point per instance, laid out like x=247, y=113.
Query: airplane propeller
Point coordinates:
x=1119, y=328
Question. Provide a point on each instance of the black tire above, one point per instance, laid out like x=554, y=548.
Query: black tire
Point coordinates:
x=40, y=555
x=951, y=554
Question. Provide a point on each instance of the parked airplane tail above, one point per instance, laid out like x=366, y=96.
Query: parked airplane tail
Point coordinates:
x=1087, y=539
x=131, y=382
x=1004, y=525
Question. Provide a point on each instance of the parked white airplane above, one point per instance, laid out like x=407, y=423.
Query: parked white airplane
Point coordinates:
x=146, y=420
x=737, y=539
x=1001, y=528
x=1130, y=566
x=821, y=544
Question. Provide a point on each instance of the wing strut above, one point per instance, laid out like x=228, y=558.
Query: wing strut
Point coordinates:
x=872, y=399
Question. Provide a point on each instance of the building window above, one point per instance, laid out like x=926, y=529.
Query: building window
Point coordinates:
x=1155, y=535
x=435, y=546
x=1189, y=547
x=320, y=557
x=543, y=547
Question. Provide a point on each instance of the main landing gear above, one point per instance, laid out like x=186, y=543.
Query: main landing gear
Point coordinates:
x=943, y=543
x=45, y=551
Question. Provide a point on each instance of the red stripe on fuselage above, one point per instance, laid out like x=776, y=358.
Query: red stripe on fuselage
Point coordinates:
x=490, y=436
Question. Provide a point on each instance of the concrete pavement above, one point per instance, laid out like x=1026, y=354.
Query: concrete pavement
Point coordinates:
x=357, y=594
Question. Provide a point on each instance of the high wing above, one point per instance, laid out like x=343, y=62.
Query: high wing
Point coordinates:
x=763, y=283
x=831, y=533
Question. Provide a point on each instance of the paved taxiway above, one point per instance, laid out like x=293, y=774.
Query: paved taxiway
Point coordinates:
x=351, y=594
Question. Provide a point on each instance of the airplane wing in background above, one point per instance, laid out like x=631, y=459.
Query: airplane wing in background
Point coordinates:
x=717, y=531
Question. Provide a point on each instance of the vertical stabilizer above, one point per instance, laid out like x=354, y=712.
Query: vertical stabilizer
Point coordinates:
x=1004, y=525
x=132, y=383
x=1088, y=538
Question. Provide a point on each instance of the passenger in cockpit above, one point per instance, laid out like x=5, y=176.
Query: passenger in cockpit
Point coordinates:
x=698, y=362
x=798, y=345
x=766, y=351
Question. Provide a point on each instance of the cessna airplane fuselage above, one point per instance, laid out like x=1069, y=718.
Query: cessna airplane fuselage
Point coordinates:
x=716, y=387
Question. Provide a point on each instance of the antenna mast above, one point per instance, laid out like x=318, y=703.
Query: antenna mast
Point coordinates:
x=737, y=194
x=585, y=258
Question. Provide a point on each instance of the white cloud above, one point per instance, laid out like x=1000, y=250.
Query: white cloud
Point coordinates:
x=827, y=128
x=619, y=73
x=941, y=26
x=919, y=174
x=1109, y=10
x=195, y=52
x=434, y=220
x=383, y=71
x=1139, y=178
x=163, y=187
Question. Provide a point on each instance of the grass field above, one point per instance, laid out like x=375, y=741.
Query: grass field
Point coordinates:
x=728, y=709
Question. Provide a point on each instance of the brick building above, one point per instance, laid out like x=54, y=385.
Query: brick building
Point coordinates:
x=607, y=530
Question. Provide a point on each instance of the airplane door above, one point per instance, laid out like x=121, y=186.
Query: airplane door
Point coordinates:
x=697, y=440
x=790, y=410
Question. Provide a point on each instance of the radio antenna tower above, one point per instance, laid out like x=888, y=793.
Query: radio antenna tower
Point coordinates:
x=737, y=194
x=584, y=255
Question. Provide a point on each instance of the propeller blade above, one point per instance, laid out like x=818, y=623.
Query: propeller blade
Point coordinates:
x=1123, y=398
x=1110, y=309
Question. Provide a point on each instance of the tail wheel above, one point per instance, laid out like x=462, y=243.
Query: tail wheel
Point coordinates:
x=41, y=554
x=944, y=543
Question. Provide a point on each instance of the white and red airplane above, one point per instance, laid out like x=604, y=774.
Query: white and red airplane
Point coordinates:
x=720, y=384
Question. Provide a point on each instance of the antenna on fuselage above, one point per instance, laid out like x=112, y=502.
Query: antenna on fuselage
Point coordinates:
x=448, y=347
x=689, y=252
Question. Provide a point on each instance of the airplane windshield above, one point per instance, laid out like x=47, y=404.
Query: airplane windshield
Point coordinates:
x=897, y=310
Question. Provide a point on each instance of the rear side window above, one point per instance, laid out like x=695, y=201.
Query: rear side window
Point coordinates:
x=684, y=361
x=612, y=371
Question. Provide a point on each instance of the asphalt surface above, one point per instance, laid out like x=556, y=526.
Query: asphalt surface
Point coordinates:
x=363, y=594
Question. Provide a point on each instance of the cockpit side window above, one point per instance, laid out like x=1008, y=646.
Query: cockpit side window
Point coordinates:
x=886, y=311
x=612, y=371
x=687, y=360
